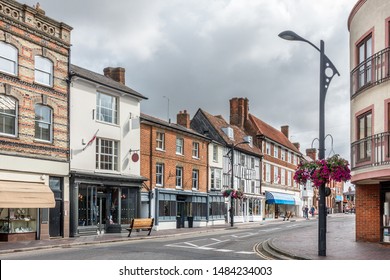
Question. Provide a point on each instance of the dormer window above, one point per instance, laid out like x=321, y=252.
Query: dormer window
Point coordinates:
x=229, y=132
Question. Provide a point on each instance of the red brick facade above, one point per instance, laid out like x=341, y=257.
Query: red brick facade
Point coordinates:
x=150, y=155
x=368, y=213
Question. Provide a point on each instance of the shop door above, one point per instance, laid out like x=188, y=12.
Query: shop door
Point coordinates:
x=55, y=220
x=101, y=212
x=180, y=214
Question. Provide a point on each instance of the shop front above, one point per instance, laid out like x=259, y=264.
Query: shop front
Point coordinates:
x=23, y=207
x=179, y=209
x=279, y=204
x=103, y=204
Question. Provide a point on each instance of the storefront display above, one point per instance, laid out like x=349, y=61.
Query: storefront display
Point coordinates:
x=18, y=224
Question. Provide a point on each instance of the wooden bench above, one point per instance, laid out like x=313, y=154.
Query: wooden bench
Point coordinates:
x=146, y=223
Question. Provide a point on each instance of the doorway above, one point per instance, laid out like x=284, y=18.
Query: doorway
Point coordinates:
x=102, y=214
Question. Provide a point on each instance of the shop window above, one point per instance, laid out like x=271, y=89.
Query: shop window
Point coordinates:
x=167, y=207
x=386, y=217
x=18, y=221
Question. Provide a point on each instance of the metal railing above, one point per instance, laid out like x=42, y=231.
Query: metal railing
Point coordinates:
x=371, y=151
x=371, y=72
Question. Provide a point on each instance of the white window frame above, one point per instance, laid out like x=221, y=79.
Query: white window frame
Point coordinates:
x=289, y=176
x=43, y=72
x=276, y=151
x=282, y=176
x=195, y=149
x=9, y=104
x=268, y=148
x=113, y=156
x=107, y=113
x=42, y=123
x=195, y=179
x=179, y=177
x=8, y=55
x=276, y=175
x=160, y=141
x=216, y=178
x=179, y=146
x=267, y=172
x=159, y=174
x=215, y=153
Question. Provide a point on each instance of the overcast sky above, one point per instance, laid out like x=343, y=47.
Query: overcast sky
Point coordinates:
x=194, y=54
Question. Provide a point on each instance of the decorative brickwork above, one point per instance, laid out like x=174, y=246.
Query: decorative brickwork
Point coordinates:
x=33, y=34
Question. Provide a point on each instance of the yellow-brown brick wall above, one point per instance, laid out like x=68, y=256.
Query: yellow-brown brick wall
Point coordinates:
x=28, y=93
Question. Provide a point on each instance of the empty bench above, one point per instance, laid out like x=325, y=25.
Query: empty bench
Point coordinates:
x=146, y=223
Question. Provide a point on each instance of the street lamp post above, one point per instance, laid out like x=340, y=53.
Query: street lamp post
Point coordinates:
x=325, y=79
x=232, y=180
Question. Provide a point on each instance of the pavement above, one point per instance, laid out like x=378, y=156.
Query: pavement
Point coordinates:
x=303, y=244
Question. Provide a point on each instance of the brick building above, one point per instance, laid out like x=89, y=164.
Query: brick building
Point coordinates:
x=369, y=29
x=239, y=169
x=34, y=144
x=280, y=159
x=174, y=158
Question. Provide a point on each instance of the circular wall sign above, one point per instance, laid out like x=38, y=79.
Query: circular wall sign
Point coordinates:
x=135, y=157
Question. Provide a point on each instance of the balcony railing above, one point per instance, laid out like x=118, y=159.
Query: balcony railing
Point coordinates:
x=371, y=151
x=371, y=72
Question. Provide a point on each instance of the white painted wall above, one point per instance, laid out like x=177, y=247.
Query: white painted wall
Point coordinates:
x=83, y=126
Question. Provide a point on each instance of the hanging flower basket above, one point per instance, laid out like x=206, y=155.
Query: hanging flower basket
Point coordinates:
x=323, y=171
x=236, y=194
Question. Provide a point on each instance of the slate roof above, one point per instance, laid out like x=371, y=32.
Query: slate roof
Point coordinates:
x=103, y=80
x=218, y=122
x=174, y=126
x=272, y=133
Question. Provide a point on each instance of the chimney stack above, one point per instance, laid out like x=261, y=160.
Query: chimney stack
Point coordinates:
x=297, y=145
x=284, y=129
x=183, y=119
x=239, y=110
x=115, y=73
x=312, y=153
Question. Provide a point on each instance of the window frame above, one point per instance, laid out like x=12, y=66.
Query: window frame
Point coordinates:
x=114, y=156
x=49, y=73
x=216, y=178
x=364, y=146
x=160, y=141
x=179, y=146
x=159, y=174
x=113, y=118
x=48, y=123
x=366, y=65
x=7, y=58
x=195, y=149
x=195, y=179
x=179, y=177
x=15, y=116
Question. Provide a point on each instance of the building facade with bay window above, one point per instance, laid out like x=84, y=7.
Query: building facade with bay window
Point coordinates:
x=105, y=180
x=369, y=29
x=34, y=144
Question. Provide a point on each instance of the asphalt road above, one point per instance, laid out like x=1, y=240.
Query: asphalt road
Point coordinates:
x=228, y=244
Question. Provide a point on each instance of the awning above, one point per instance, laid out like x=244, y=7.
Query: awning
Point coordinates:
x=25, y=195
x=279, y=198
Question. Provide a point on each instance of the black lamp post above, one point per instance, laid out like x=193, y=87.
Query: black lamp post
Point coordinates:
x=325, y=79
x=232, y=180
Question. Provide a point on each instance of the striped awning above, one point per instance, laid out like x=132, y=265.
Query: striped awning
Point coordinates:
x=279, y=198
